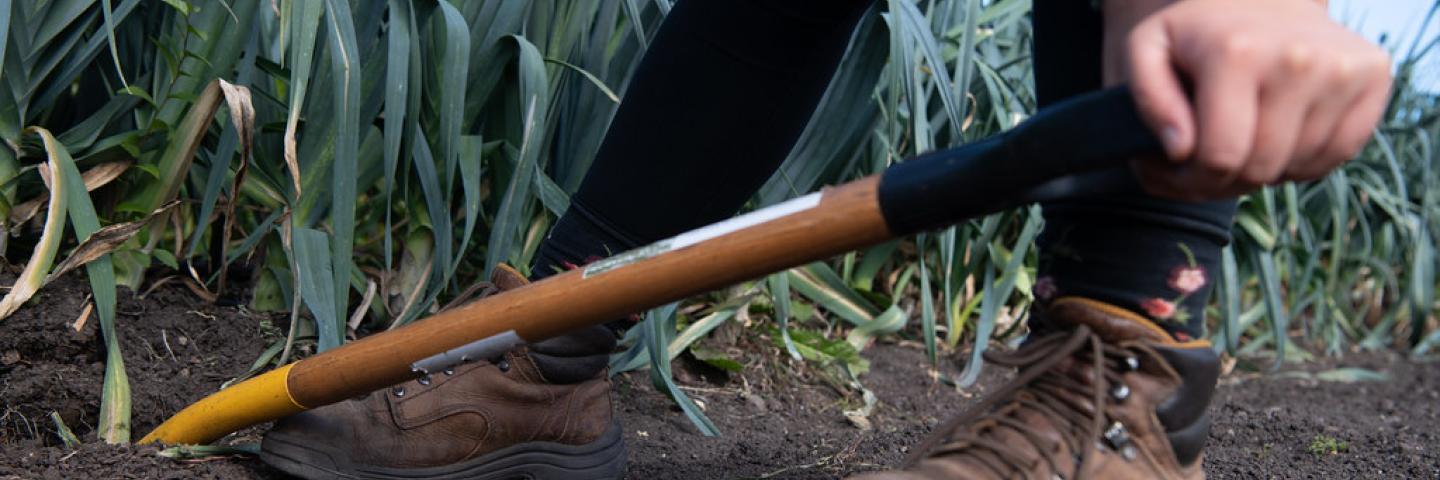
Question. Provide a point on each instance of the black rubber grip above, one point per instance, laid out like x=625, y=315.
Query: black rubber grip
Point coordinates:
x=1075, y=148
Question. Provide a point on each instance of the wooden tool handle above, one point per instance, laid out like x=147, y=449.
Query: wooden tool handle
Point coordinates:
x=1096, y=132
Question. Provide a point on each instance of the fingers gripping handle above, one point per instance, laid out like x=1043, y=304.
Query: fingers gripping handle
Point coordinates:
x=1075, y=148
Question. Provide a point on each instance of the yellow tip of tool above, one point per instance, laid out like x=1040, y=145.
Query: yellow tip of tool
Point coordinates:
x=263, y=398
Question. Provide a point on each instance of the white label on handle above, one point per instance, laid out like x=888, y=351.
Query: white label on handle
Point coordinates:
x=773, y=212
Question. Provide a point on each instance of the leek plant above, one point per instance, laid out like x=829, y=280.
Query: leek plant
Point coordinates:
x=367, y=161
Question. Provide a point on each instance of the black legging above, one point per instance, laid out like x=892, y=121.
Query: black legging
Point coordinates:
x=726, y=89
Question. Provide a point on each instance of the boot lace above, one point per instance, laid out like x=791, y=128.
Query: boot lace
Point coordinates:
x=476, y=291
x=1042, y=386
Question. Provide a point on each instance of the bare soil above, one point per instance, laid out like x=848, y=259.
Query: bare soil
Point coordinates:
x=779, y=419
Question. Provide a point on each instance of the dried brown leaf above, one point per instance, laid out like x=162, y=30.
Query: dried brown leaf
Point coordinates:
x=104, y=241
x=95, y=178
x=242, y=115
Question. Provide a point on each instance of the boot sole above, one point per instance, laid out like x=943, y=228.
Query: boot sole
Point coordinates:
x=602, y=459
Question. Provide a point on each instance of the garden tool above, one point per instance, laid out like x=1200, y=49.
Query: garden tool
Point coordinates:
x=1077, y=148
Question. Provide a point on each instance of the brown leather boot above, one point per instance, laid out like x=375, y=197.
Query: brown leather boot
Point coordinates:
x=498, y=419
x=1110, y=396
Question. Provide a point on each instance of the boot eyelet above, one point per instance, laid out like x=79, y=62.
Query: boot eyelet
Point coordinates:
x=1120, y=392
x=1115, y=433
x=1132, y=364
x=1119, y=440
x=398, y=391
x=503, y=365
x=425, y=380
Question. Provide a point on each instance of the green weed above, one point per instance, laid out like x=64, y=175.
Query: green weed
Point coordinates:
x=1323, y=445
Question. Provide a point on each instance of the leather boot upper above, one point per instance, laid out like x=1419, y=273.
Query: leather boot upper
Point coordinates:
x=458, y=414
x=1100, y=398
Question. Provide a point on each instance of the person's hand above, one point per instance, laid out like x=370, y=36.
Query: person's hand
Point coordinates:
x=1244, y=93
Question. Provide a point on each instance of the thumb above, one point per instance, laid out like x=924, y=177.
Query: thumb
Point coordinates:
x=1158, y=90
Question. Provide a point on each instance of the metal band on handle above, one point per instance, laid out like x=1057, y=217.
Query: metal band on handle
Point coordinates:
x=482, y=349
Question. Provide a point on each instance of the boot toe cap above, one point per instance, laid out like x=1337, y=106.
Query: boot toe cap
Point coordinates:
x=303, y=444
x=326, y=424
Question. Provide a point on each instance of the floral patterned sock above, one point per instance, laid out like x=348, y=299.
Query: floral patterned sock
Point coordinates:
x=1160, y=271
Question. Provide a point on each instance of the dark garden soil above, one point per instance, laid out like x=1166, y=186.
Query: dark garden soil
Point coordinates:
x=779, y=419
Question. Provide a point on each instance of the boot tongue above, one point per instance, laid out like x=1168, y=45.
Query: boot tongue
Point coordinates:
x=506, y=277
x=1112, y=323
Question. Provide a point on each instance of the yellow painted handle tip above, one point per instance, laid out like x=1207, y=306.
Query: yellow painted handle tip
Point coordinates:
x=260, y=399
